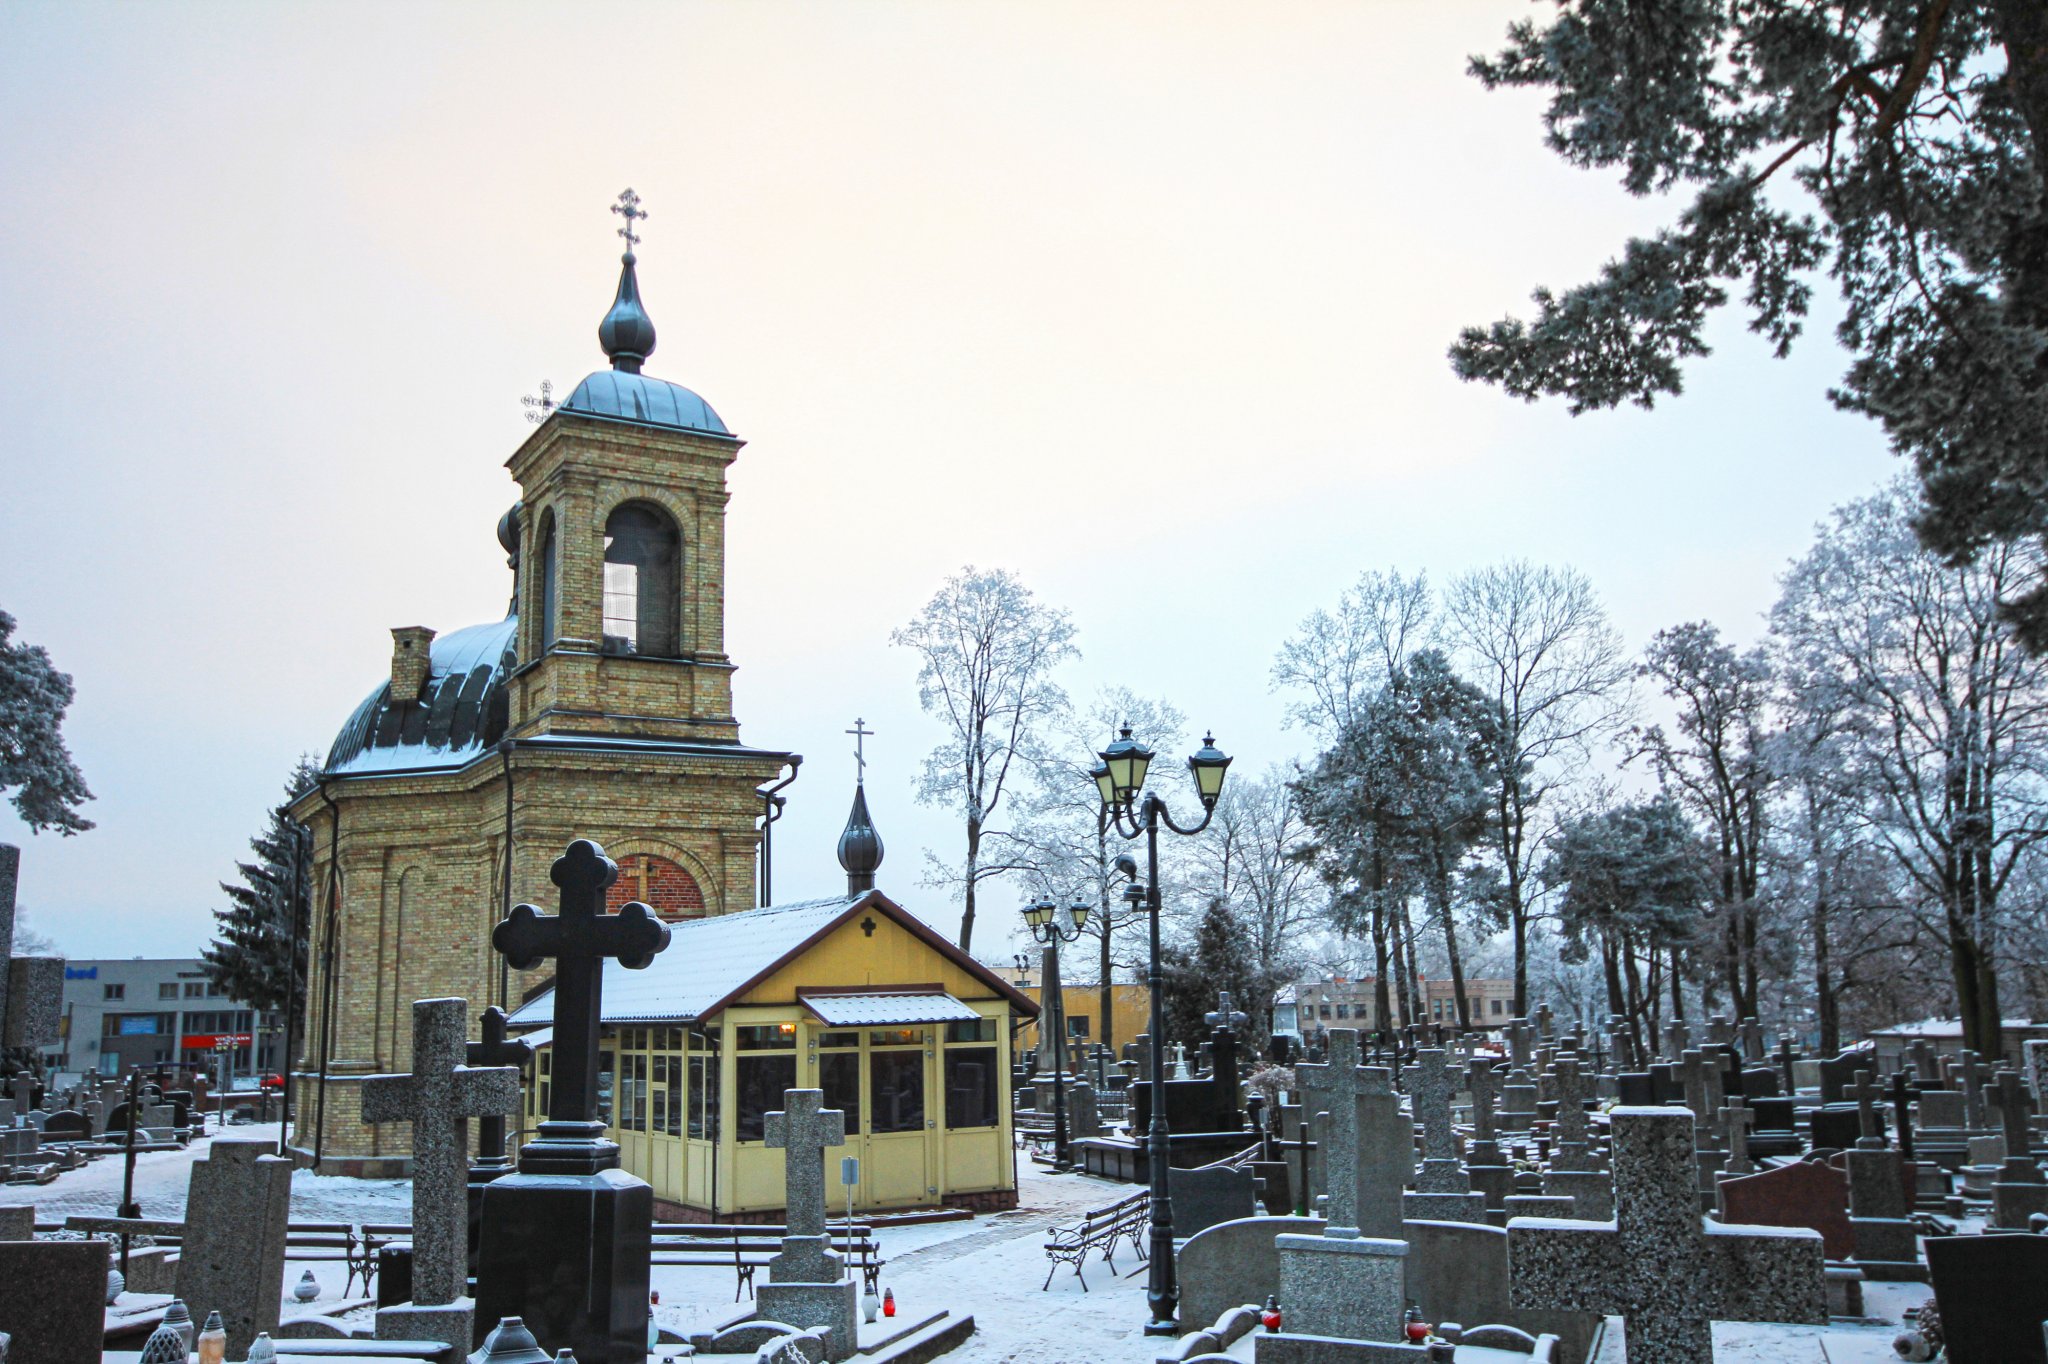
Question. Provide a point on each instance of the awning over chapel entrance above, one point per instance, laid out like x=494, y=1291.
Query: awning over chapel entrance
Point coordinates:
x=886, y=1010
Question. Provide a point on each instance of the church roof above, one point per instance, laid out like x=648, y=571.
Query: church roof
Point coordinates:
x=461, y=712
x=617, y=395
x=710, y=962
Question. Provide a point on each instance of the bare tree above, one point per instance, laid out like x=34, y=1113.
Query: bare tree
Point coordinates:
x=1339, y=659
x=1948, y=714
x=987, y=651
x=1535, y=639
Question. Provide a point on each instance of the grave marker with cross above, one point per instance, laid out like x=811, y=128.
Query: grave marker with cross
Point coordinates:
x=496, y=1049
x=1334, y=1088
x=1667, y=1271
x=1736, y=1122
x=578, y=939
x=1432, y=1084
x=439, y=1098
x=802, y=1131
x=1868, y=1094
x=1483, y=1081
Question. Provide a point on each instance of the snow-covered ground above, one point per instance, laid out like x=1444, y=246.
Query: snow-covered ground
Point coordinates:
x=991, y=1266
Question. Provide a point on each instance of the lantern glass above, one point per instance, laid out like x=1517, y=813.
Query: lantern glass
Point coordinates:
x=1079, y=909
x=1208, y=763
x=1104, y=787
x=1127, y=760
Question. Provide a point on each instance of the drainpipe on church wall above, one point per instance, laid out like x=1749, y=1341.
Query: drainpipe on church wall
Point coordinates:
x=771, y=810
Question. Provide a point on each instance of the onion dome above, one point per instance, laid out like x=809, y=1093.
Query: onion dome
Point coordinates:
x=627, y=332
x=860, y=847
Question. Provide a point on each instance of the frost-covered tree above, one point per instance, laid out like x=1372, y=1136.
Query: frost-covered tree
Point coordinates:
x=1914, y=128
x=251, y=957
x=34, y=763
x=1632, y=881
x=987, y=650
x=1254, y=858
x=1715, y=759
x=1337, y=659
x=1946, y=712
x=1537, y=641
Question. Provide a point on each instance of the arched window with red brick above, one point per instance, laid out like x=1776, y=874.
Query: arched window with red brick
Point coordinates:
x=667, y=889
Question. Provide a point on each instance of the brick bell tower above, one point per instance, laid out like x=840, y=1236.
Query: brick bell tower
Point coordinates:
x=601, y=707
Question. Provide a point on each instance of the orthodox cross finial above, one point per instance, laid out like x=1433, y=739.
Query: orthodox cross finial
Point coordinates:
x=861, y=734
x=537, y=409
x=628, y=207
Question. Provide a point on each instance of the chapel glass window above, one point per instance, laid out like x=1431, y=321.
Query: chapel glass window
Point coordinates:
x=762, y=1081
x=547, y=580
x=970, y=1087
x=896, y=1084
x=642, y=554
x=839, y=1077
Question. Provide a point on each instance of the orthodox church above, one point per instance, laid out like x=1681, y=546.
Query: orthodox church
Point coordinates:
x=600, y=707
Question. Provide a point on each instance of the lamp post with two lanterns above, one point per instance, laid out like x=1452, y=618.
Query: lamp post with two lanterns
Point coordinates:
x=1135, y=813
x=1043, y=918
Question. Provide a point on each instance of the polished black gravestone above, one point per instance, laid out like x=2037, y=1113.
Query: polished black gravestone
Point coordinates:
x=564, y=1242
x=1993, y=1295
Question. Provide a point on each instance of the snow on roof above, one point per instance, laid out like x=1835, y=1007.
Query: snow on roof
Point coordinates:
x=706, y=960
x=459, y=715
x=1944, y=1027
x=861, y=1011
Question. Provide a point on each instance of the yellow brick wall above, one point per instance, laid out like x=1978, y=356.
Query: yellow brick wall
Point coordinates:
x=421, y=857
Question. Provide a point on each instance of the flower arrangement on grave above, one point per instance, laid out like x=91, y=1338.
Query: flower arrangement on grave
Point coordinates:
x=1269, y=1082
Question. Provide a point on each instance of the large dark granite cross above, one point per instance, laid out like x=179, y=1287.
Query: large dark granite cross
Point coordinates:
x=1668, y=1272
x=2015, y=1106
x=578, y=940
x=496, y=1049
x=438, y=1099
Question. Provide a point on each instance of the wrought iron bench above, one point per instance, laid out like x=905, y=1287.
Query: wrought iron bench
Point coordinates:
x=1102, y=1228
x=746, y=1247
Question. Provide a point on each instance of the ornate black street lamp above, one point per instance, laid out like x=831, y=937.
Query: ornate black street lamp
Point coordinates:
x=1043, y=918
x=1120, y=780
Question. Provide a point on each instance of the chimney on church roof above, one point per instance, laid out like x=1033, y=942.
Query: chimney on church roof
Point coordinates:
x=860, y=847
x=411, y=661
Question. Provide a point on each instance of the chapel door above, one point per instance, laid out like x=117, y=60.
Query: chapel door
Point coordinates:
x=896, y=1125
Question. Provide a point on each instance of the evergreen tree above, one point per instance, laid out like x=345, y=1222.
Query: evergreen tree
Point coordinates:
x=251, y=957
x=1916, y=129
x=34, y=763
x=1220, y=959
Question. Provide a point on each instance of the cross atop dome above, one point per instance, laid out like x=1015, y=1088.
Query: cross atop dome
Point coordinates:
x=627, y=332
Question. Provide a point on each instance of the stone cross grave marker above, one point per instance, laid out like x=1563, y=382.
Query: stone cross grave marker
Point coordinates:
x=1570, y=1152
x=802, y=1131
x=1720, y=1030
x=1753, y=1041
x=1543, y=1021
x=1971, y=1073
x=2014, y=1105
x=1677, y=1038
x=2018, y=1192
x=1694, y=1065
x=1868, y=1094
x=808, y=1285
x=1431, y=1086
x=439, y=1098
x=496, y=1049
x=1483, y=1082
x=578, y=939
x=1334, y=1089
x=1736, y=1121
x=1519, y=1033
x=2037, y=1069
x=1667, y=1271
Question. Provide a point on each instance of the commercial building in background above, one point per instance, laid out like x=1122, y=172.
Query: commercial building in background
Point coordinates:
x=1130, y=1009
x=1342, y=1002
x=139, y=1011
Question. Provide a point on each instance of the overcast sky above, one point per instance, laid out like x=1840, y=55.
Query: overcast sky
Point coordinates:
x=1147, y=303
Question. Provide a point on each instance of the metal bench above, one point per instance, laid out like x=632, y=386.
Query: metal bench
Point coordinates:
x=746, y=1247
x=1100, y=1228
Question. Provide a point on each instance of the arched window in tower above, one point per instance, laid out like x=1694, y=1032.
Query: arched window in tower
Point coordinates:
x=642, y=552
x=667, y=889
x=547, y=581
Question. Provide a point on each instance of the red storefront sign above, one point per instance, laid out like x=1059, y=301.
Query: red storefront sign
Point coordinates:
x=207, y=1041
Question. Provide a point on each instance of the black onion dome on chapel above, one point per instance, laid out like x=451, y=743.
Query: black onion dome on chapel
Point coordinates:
x=860, y=847
x=462, y=710
x=623, y=393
